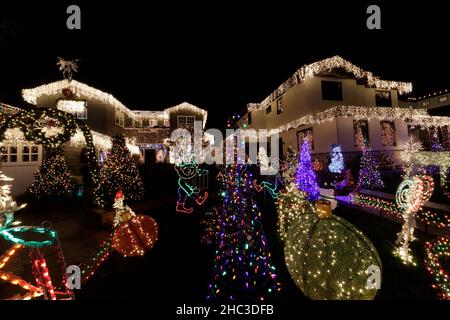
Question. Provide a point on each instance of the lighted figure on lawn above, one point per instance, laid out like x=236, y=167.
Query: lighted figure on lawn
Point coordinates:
x=411, y=195
x=337, y=159
x=267, y=170
x=133, y=234
x=34, y=239
x=187, y=171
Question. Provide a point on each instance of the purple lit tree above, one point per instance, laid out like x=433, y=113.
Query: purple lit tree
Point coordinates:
x=242, y=267
x=305, y=175
x=369, y=175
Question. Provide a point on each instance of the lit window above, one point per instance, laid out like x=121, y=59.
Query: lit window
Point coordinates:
x=186, y=121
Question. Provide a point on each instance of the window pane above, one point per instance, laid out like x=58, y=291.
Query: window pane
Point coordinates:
x=4, y=158
x=25, y=158
x=26, y=149
x=34, y=157
x=332, y=90
x=34, y=149
x=13, y=158
x=13, y=150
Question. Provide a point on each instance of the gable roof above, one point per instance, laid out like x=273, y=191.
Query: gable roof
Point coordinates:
x=79, y=88
x=310, y=70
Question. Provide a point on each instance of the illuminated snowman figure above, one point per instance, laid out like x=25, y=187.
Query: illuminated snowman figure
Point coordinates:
x=337, y=159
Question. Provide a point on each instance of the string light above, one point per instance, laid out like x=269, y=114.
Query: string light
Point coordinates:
x=413, y=117
x=337, y=159
x=305, y=175
x=369, y=175
x=435, y=251
x=328, y=257
x=336, y=62
x=187, y=171
x=242, y=266
x=82, y=90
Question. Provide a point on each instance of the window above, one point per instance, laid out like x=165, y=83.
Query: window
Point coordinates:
x=154, y=123
x=305, y=133
x=388, y=133
x=249, y=118
x=120, y=118
x=425, y=103
x=383, y=98
x=269, y=109
x=280, y=105
x=77, y=108
x=443, y=99
x=332, y=90
x=186, y=122
x=17, y=154
x=360, y=132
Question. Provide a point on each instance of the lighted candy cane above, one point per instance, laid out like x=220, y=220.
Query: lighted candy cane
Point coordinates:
x=411, y=195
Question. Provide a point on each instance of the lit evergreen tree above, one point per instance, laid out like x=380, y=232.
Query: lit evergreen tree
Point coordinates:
x=369, y=175
x=119, y=172
x=242, y=267
x=305, y=175
x=53, y=178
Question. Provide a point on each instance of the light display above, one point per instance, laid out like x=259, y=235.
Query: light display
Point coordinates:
x=337, y=159
x=53, y=178
x=133, y=234
x=119, y=172
x=413, y=117
x=427, y=158
x=411, y=195
x=242, y=264
x=82, y=90
x=68, y=67
x=305, y=175
x=388, y=133
x=26, y=122
x=24, y=237
x=369, y=175
x=435, y=251
x=187, y=171
x=266, y=185
x=7, y=205
x=336, y=62
x=412, y=147
x=291, y=204
x=428, y=218
x=328, y=258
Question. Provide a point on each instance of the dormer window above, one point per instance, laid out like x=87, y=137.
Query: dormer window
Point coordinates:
x=120, y=118
x=185, y=122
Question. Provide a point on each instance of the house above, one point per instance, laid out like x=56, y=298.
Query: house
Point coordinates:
x=332, y=101
x=106, y=117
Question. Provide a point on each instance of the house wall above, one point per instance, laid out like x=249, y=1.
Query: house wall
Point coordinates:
x=306, y=98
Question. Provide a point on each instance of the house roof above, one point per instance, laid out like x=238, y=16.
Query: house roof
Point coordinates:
x=313, y=69
x=79, y=88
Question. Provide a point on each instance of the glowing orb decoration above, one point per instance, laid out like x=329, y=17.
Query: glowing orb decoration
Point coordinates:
x=135, y=237
x=435, y=251
x=329, y=259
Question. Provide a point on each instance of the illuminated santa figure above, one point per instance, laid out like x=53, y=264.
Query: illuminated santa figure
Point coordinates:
x=133, y=234
x=337, y=159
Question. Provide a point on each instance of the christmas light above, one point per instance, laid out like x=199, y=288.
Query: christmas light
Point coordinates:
x=337, y=159
x=429, y=218
x=187, y=171
x=291, y=204
x=411, y=195
x=71, y=106
x=119, y=172
x=369, y=175
x=53, y=178
x=328, y=258
x=435, y=251
x=413, y=117
x=305, y=175
x=242, y=264
x=336, y=62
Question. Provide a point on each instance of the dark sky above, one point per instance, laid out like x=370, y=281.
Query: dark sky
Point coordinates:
x=218, y=55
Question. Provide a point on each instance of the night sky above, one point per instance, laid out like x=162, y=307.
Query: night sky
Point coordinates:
x=218, y=55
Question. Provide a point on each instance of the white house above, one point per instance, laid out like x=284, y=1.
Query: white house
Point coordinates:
x=328, y=99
